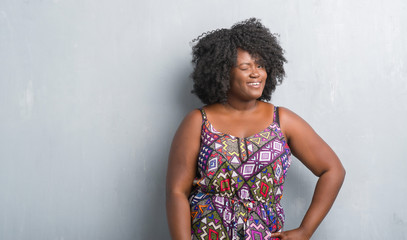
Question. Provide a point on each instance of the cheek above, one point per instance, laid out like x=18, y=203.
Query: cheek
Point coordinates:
x=237, y=80
x=233, y=84
x=264, y=74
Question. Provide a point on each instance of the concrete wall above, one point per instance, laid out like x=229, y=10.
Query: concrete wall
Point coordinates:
x=91, y=93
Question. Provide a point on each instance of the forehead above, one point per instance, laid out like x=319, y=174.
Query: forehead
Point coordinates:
x=244, y=56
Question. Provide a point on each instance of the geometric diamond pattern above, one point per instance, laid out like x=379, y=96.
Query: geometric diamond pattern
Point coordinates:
x=239, y=184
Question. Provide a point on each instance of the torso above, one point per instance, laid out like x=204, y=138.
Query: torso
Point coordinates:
x=240, y=175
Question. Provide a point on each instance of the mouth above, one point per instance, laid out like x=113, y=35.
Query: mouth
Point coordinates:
x=254, y=84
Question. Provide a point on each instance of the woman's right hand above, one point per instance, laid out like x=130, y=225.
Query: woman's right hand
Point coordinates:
x=295, y=234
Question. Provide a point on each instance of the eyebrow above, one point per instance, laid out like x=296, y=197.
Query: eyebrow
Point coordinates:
x=245, y=63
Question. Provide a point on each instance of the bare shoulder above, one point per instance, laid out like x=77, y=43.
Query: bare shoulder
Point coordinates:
x=291, y=123
x=287, y=114
x=194, y=117
x=187, y=136
x=192, y=121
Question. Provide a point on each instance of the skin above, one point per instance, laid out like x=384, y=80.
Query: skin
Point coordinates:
x=242, y=109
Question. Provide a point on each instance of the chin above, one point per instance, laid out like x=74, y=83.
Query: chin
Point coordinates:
x=254, y=97
x=257, y=96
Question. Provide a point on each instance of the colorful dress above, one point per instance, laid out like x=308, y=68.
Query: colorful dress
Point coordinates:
x=239, y=184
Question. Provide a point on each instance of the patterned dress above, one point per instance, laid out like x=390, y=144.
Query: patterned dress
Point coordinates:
x=239, y=184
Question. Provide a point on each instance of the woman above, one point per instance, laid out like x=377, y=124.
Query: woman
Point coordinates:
x=228, y=160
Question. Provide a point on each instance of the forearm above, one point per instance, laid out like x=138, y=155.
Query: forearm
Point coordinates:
x=326, y=190
x=178, y=216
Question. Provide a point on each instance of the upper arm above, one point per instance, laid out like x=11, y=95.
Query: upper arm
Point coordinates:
x=182, y=162
x=306, y=144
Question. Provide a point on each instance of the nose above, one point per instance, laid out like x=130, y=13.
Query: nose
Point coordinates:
x=255, y=73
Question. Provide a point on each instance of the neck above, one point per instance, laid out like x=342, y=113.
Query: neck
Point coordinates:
x=241, y=105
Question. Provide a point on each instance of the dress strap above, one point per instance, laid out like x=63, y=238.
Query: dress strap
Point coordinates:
x=203, y=114
x=276, y=118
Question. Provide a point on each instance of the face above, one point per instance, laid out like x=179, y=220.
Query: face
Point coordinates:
x=247, y=78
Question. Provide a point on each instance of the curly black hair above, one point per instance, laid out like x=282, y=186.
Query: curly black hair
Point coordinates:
x=215, y=54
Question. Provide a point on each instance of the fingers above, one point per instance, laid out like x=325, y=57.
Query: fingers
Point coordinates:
x=279, y=235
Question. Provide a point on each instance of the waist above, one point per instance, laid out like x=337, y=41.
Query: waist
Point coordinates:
x=228, y=198
x=263, y=194
x=234, y=207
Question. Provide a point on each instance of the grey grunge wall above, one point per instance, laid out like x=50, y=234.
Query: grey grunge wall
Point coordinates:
x=91, y=93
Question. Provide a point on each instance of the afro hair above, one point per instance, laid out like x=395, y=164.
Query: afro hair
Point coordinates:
x=215, y=54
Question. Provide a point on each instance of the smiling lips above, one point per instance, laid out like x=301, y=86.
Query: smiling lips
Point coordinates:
x=254, y=84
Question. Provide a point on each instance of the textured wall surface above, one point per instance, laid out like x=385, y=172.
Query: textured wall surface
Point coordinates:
x=91, y=93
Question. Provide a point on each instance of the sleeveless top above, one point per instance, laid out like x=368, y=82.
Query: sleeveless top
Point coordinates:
x=239, y=183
